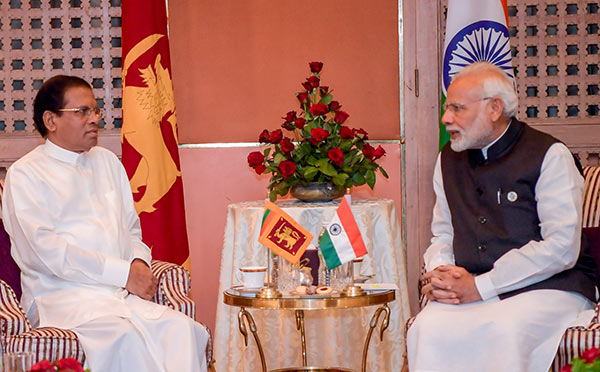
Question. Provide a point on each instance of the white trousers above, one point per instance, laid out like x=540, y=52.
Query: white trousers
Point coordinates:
x=518, y=334
x=173, y=342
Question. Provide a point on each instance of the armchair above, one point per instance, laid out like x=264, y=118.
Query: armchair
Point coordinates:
x=17, y=334
x=576, y=339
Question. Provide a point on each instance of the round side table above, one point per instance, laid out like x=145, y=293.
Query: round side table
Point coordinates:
x=238, y=297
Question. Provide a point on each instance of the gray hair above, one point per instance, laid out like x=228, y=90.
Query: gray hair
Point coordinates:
x=496, y=83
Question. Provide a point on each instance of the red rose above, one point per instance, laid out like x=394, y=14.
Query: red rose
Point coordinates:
x=364, y=135
x=276, y=136
x=302, y=97
x=42, y=366
x=334, y=106
x=323, y=89
x=336, y=155
x=300, y=123
x=290, y=116
x=259, y=169
x=341, y=116
x=255, y=158
x=346, y=133
x=288, y=126
x=318, y=135
x=264, y=136
x=368, y=151
x=69, y=364
x=319, y=109
x=287, y=168
x=306, y=85
x=315, y=67
x=313, y=81
x=286, y=145
x=568, y=368
x=590, y=355
x=379, y=152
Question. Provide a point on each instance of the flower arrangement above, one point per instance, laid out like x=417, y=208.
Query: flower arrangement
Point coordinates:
x=62, y=365
x=322, y=149
x=589, y=361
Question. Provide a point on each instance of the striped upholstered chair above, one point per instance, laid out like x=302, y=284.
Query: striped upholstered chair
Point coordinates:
x=17, y=334
x=576, y=339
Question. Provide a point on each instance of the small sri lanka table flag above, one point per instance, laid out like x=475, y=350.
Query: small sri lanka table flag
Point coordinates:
x=282, y=234
x=341, y=242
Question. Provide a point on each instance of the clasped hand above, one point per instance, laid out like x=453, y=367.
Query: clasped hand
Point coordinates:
x=141, y=282
x=450, y=284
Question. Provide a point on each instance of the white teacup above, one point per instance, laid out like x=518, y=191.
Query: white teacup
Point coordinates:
x=251, y=276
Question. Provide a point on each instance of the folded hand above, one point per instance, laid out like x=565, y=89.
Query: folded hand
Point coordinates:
x=141, y=282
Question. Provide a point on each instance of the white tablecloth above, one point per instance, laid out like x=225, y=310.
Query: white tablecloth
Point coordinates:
x=333, y=337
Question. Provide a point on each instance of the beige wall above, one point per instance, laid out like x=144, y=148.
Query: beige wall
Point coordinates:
x=237, y=65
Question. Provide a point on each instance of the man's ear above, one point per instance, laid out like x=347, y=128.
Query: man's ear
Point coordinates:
x=497, y=108
x=48, y=118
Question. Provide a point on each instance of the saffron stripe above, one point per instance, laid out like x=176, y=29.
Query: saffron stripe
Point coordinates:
x=349, y=223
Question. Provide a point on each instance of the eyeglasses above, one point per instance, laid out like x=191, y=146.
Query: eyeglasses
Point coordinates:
x=85, y=111
x=457, y=107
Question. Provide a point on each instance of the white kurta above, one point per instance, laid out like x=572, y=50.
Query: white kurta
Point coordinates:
x=559, y=195
x=74, y=232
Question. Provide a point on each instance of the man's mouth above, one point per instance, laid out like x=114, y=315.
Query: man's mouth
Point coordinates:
x=454, y=134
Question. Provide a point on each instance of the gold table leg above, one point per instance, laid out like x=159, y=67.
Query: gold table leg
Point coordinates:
x=300, y=327
x=374, y=320
x=245, y=314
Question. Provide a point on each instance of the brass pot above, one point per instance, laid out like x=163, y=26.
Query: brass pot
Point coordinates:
x=316, y=192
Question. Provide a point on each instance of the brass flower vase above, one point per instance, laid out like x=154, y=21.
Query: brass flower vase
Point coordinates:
x=316, y=192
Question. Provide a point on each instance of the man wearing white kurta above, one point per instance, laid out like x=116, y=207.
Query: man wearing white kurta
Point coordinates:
x=505, y=275
x=75, y=234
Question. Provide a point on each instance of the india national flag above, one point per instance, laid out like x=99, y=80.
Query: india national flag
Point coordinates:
x=476, y=31
x=341, y=242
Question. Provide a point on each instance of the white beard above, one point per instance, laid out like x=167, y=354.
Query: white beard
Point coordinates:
x=476, y=137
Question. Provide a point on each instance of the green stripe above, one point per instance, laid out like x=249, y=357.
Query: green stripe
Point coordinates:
x=265, y=217
x=331, y=258
x=444, y=135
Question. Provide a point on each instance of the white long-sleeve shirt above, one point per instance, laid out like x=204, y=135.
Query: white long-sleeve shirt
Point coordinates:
x=74, y=233
x=559, y=197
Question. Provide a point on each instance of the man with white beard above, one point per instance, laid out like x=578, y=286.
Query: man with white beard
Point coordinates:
x=506, y=271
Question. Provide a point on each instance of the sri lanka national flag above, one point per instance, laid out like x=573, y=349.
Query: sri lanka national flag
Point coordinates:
x=282, y=234
x=341, y=242
x=476, y=31
x=149, y=133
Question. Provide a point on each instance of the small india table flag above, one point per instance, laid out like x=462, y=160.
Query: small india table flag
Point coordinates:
x=341, y=242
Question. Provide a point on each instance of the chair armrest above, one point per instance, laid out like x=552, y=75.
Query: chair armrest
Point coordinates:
x=13, y=320
x=595, y=320
x=174, y=284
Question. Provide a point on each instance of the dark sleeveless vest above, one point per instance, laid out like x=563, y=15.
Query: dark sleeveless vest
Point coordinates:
x=493, y=206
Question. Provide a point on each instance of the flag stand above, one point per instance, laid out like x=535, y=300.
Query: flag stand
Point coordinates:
x=353, y=290
x=269, y=290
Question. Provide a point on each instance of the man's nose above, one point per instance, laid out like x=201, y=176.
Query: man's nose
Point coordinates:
x=448, y=117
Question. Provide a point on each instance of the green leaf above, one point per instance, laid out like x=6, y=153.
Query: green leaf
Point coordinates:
x=267, y=152
x=340, y=179
x=322, y=162
x=358, y=179
x=272, y=195
x=370, y=178
x=327, y=99
x=383, y=172
x=282, y=188
x=328, y=169
x=310, y=173
x=278, y=158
